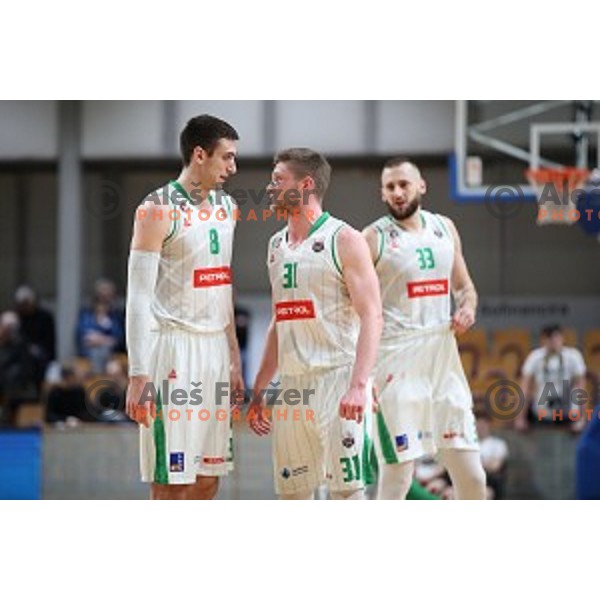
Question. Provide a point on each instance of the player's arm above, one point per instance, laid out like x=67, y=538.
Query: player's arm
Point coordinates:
x=236, y=379
x=151, y=227
x=363, y=287
x=372, y=236
x=266, y=372
x=463, y=288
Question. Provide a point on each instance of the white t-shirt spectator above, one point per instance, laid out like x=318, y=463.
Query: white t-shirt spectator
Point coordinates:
x=553, y=368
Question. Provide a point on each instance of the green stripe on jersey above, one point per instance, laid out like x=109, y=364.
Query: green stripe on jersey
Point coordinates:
x=387, y=445
x=334, y=252
x=381, y=237
x=441, y=222
x=318, y=223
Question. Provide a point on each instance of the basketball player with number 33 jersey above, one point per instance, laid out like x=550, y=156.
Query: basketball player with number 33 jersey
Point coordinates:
x=425, y=405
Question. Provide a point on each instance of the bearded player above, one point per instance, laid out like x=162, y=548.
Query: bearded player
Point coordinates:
x=425, y=405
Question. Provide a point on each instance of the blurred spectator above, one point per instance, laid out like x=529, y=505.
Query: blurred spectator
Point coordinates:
x=494, y=454
x=17, y=368
x=551, y=375
x=433, y=477
x=109, y=402
x=37, y=329
x=100, y=329
x=66, y=399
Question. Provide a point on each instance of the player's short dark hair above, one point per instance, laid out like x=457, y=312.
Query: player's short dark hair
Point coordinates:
x=396, y=161
x=305, y=162
x=204, y=131
x=550, y=330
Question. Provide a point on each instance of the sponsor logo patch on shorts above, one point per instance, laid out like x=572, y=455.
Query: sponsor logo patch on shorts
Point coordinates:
x=287, y=473
x=176, y=462
x=213, y=460
x=300, y=471
x=348, y=441
x=402, y=442
x=450, y=435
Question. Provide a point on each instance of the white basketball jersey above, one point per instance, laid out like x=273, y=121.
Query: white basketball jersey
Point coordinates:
x=317, y=326
x=414, y=270
x=193, y=288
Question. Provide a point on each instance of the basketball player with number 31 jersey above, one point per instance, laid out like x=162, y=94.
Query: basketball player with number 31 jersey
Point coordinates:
x=425, y=405
x=322, y=339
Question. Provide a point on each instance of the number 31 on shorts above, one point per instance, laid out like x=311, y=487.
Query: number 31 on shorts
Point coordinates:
x=351, y=468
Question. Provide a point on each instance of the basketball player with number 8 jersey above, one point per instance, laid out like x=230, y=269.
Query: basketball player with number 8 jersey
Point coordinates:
x=180, y=331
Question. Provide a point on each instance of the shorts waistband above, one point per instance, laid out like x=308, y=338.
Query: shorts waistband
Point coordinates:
x=418, y=333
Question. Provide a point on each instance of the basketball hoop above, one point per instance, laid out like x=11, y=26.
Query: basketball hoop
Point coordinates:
x=555, y=190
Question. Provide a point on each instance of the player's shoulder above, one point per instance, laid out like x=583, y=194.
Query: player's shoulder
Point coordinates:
x=437, y=218
x=276, y=239
x=222, y=198
x=343, y=231
x=156, y=205
x=378, y=226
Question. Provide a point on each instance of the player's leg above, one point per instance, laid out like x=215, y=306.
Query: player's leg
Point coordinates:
x=403, y=420
x=297, y=450
x=466, y=472
x=455, y=431
x=395, y=480
x=205, y=488
x=348, y=444
x=303, y=495
x=349, y=495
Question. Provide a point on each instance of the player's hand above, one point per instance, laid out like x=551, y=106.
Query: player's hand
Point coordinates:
x=237, y=387
x=140, y=412
x=257, y=419
x=463, y=319
x=353, y=403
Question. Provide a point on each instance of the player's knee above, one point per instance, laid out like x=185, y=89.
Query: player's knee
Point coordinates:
x=395, y=481
x=472, y=485
x=205, y=488
x=161, y=491
x=304, y=495
x=349, y=495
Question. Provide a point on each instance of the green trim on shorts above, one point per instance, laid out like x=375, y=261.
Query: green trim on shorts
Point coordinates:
x=387, y=445
x=161, y=475
x=368, y=471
